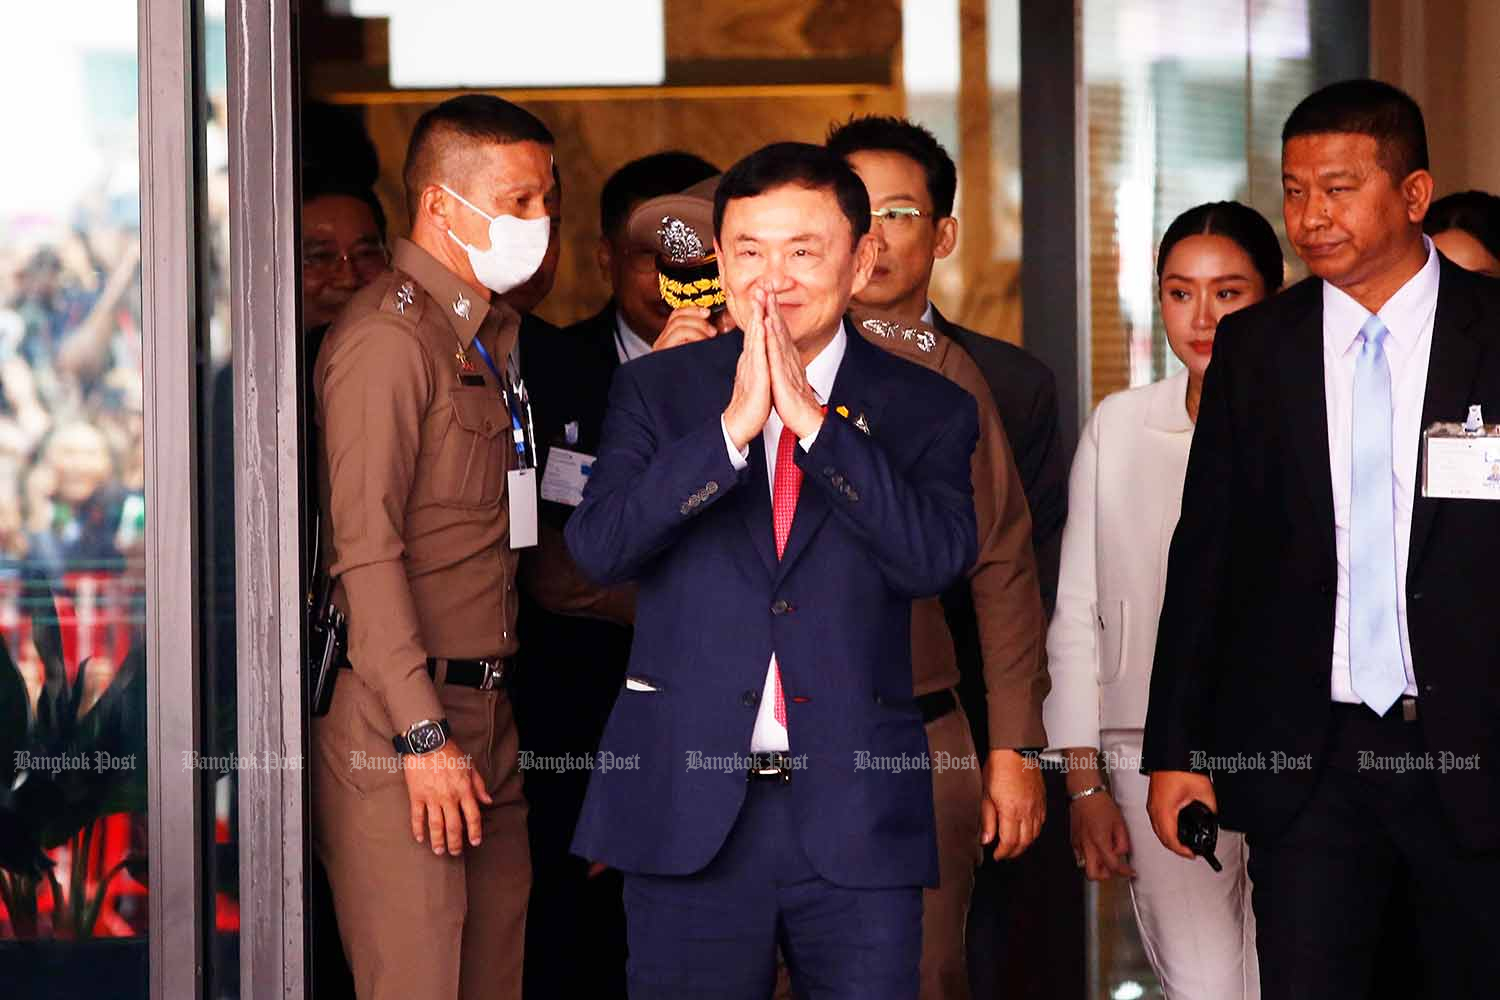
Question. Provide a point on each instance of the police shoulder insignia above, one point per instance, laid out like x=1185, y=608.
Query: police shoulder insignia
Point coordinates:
x=403, y=300
x=900, y=333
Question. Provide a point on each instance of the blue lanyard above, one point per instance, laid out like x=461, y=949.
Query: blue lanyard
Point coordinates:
x=510, y=404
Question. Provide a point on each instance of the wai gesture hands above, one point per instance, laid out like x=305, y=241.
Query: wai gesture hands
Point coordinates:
x=770, y=374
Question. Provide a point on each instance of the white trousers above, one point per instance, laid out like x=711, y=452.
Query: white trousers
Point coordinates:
x=1196, y=924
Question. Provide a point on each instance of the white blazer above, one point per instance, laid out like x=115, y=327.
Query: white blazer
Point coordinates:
x=1124, y=497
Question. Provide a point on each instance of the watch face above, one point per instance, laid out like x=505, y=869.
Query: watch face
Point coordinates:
x=426, y=737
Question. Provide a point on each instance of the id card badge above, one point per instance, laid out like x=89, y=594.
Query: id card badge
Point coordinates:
x=566, y=476
x=1462, y=461
x=520, y=487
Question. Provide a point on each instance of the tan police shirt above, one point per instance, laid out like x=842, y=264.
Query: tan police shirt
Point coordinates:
x=416, y=451
x=1007, y=599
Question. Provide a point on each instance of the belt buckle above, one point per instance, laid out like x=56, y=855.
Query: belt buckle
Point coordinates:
x=494, y=674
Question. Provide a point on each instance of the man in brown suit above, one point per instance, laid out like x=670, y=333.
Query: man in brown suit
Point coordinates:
x=418, y=813
x=1004, y=804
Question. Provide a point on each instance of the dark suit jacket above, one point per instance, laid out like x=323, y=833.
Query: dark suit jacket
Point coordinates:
x=569, y=666
x=1246, y=636
x=882, y=518
x=1025, y=393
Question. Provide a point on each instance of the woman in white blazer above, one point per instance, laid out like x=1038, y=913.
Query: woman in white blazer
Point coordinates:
x=1124, y=498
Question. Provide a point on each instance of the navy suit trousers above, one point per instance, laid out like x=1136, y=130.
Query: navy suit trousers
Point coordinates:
x=713, y=935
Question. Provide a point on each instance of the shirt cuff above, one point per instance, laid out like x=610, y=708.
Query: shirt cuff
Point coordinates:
x=807, y=442
x=738, y=457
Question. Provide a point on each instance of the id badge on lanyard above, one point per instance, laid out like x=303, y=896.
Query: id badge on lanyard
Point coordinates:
x=520, y=485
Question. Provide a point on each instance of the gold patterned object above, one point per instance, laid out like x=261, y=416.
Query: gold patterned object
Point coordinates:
x=691, y=286
x=679, y=227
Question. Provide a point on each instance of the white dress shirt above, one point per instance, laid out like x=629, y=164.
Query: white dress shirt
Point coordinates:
x=928, y=316
x=769, y=734
x=1408, y=316
x=628, y=343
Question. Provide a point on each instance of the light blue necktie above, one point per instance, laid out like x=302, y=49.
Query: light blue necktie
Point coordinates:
x=1376, y=670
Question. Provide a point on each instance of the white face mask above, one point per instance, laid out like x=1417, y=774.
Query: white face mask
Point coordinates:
x=517, y=247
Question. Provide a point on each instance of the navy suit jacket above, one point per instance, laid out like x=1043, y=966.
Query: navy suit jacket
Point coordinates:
x=882, y=518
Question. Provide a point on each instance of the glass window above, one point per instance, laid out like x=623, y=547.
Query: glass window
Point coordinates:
x=1185, y=103
x=73, y=834
x=220, y=783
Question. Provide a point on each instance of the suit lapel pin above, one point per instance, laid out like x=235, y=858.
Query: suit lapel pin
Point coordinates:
x=862, y=423
x=570, y=432
x=461, y=306
x=842, y=411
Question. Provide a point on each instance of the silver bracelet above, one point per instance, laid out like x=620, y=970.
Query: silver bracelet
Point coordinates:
x=1077, y=796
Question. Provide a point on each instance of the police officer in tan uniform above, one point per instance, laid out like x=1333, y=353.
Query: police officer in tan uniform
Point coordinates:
x=418, y=813
x=1003, y=582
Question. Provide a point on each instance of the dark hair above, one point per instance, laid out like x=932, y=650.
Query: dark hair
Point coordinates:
x=1231, y=220
x=899, y=135
x=795, y=163
x=471, y=118
x=1474, y=212
x=1366, y=107
x=663, y=173
x=311, y=191
x=336, y=147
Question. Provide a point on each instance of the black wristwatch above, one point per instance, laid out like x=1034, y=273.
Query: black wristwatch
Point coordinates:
x=422, y=737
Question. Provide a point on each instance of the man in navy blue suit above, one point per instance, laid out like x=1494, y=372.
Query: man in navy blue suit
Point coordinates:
x=780, y=494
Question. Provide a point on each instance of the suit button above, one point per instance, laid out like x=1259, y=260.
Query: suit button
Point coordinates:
x=750, y=699
x=828, y=470
x=1417, y=596
x=780, y=607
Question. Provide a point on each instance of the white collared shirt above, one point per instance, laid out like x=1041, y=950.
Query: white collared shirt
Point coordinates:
x=628, y=343
x=1408, y=316
x=769, y=734
x=928, y=316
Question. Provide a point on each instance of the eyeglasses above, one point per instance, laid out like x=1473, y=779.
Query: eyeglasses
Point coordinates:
x=367, y=259
x=898, y=216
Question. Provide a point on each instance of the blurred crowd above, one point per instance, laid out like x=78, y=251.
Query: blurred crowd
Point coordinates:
x=72, y=458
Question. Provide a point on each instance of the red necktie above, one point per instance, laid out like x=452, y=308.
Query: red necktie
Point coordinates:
x=783, y=508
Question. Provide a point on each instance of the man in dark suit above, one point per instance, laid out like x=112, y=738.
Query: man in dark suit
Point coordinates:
x=1326, y=667
x=635, y=315
x=912, y=182
x=568, y=676
x=780, y=496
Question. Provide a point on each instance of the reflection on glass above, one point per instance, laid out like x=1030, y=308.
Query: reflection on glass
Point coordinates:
x=73, y=864
x=1185, y=104
x=220, y=782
